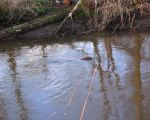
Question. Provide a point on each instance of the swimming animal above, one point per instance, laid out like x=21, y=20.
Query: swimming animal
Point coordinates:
x=87, y=58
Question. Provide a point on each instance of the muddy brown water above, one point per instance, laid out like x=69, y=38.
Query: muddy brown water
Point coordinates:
x=47, y=80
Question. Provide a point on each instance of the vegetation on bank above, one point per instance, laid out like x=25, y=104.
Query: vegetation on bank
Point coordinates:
x=115, y=14
x=14, y=12
x=102, y=14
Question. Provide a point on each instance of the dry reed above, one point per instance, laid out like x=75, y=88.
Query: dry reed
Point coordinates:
x=12, y=11
x=106, y=13
x=16, y=9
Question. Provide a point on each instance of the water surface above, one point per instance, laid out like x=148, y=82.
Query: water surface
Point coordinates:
x=47, y=80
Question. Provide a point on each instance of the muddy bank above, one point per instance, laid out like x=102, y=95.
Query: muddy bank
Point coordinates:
x=96, y=16
x=75, y=26
x=70, y=28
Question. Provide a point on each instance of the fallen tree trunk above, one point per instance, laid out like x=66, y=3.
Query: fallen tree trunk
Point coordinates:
x=8, y=32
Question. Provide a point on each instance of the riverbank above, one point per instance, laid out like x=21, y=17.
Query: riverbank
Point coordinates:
x=89, y=16
x=19, y=11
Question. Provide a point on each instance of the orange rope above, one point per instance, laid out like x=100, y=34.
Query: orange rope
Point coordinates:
x=71, y=98
x=89, y=91
x=74, y=91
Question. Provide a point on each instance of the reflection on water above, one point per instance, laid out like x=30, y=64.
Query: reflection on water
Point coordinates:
x=16, y=84
x=107, y=106
x=137, y=77
x=49, y=81
x=111, y=62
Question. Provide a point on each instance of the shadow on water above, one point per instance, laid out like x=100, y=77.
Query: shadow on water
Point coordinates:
x=16, y=84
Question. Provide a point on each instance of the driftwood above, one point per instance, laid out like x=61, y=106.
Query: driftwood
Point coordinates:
x=8, y=32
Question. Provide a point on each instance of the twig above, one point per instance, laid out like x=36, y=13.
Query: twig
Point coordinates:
x=117, y=26
x=51, y=115
x=89, y=31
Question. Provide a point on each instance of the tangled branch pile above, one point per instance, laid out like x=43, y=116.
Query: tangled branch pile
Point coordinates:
x=115, y=14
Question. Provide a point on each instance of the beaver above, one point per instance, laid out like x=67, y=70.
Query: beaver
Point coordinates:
x=87, y=58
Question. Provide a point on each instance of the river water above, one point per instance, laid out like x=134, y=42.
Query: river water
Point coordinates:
x=47, y=80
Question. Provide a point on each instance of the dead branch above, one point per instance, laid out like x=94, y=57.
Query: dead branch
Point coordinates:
x=69, y=16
